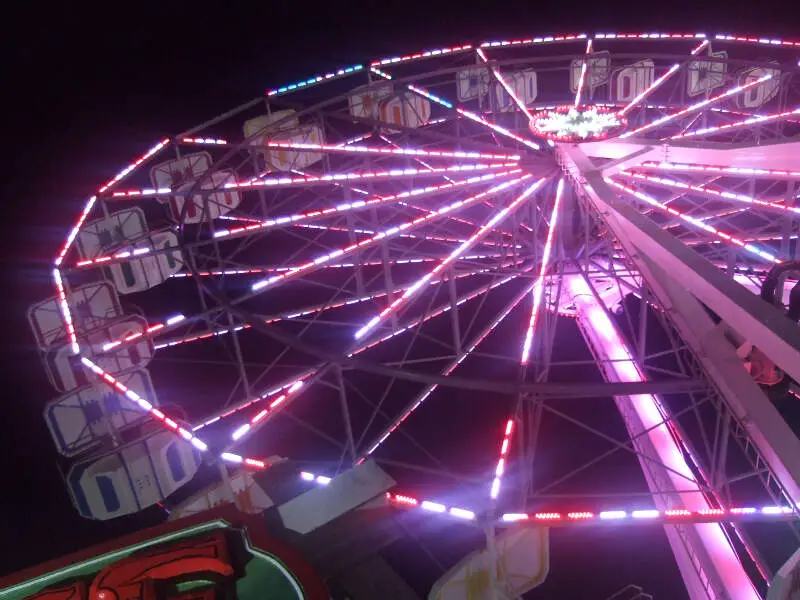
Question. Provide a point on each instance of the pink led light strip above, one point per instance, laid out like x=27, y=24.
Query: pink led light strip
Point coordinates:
x=501, y=462
x=537, y=40
x=314, y=80
x=147, y=332
x=538, y=288
x=509, y=90
x=169, y=423
x=240, y=432
x=356, y=205
x=66, y=315
x=363, y=347
x=104, y=188
x=721, y=170
x=651, y=36
x=585, y=517
x=757, y=120
x=205, y=141
x=698, y=106
x=474, y=117
x=385, y=234
x=712, y=191
x=757, y=40
x=426, y=54
x=351, y=149
x=321, y=179
x=483, y=231
x=696, y=222
x=582, y=79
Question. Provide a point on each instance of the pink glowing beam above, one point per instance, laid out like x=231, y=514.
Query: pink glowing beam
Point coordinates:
x=665, y=440
x=395, y=151
x=538, y=288
x=698, y=105
x=757, y=120
x=482, y=232
x=472, y=116
x=66, y=315
x=345, y=207
x=726, y=237
x=713, y=191
x=502, y=81
x=582, y=79
x=386, y=234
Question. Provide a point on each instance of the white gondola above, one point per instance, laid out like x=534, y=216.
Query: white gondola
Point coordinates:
x=632, y=80
x=365, y=102
x=598, y=71
x=133, y=477
x=472, y=83
x=283, y=159
x=205, y=206
x=525, y=86
x=758, y=95
x=263, y=127
x=706, y=75
x=155, y=267
x=88, y=416
x=92, y=306
x=65, y=371
x=406, y=110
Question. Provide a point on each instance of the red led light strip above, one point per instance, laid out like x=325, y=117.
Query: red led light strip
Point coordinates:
x=751, y=121
x=582, y=79
x=509, y=90
x=712, y=191
x=351, y=149
x=698, y=106
x=651, y=36
x=731, y=171
x=385, y=234
x=501, y=462
x=696, y=222
x=356, y=205
x=757, y=40
x=205, y=141
x=537, y=40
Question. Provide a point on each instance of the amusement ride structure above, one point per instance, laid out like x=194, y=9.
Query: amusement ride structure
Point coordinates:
x=424, y=265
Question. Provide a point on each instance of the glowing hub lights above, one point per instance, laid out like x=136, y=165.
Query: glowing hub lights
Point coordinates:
x=577, y=124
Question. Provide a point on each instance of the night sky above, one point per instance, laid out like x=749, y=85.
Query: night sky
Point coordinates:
x=86, y=89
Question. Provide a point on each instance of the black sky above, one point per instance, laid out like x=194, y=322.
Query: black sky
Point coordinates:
x=87, y=86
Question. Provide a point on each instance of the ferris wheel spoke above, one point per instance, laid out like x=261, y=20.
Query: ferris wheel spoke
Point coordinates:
x=697, y=106
x=453, y=256
x=772, y=205
x=727, y=238
x=501, y=80
x=365, y=204
x=396, y=150
x=339, y=254
x=755, y=120
x=659, y=82
x=582, y=77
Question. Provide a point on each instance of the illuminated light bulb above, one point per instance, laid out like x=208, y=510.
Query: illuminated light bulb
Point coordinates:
x=578, y=516
x=613, y=514
x=462, y=513
x=645, y=514
x=307, y=476
x=433, y=506
x=511, y=517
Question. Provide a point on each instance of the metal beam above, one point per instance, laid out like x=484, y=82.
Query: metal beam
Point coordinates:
x=678, y=278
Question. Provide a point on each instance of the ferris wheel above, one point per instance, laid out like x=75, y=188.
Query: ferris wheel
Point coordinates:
x=425, y=265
